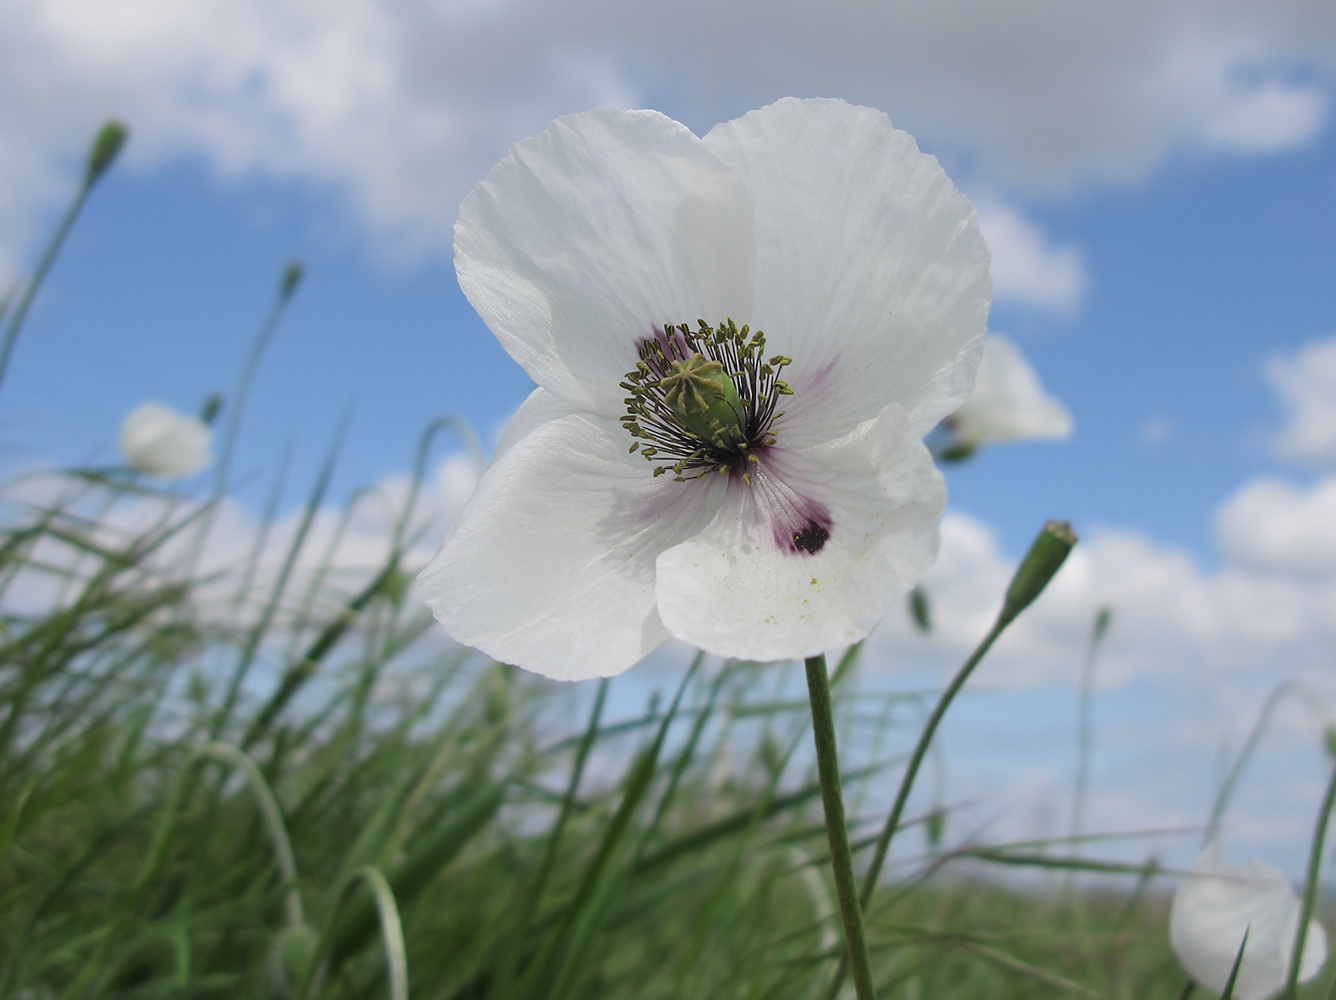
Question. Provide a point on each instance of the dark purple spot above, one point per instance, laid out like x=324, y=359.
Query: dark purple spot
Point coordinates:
x=811, y=538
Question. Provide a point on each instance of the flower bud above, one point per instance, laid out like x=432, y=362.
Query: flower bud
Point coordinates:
x=1046, y=555
x=110, y=138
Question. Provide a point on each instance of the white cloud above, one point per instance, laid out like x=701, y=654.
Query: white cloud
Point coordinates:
x=1026, y=268
x=1276, y=527
x=399, y=107
x=1306, y=385
x=1270, y=608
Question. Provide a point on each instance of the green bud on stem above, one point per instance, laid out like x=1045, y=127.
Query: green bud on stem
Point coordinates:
x=106, y=147
x=1046, y=555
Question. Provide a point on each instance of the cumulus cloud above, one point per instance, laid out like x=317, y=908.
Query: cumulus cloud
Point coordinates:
x=1306, y=384
x=1026, y=267
x=1276, y=527
x=399, y=107
x=1269, y=607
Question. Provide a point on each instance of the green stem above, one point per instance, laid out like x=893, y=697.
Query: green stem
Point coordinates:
x=920, y=751
x=1085, y=725
x=35, y=282
x=841, y=859
x=911, y=772
x=1310, y=889
x=1259, y=730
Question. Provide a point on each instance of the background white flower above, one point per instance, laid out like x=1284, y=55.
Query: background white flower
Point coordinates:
x=1008, y=403
x=1216, y=903
x=164, y=442
x=816, y=222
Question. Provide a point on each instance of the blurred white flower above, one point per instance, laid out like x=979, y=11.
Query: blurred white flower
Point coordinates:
x=1008, y=403
x=788, y=500
x=1213, y=906
x=161, y=441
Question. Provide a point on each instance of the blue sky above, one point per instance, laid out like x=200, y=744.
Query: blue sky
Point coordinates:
x=1157, y=180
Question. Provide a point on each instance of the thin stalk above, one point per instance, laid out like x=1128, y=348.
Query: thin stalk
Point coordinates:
x=236, y=406
x=101, y=155
x=841, y=858
x=30, y=287
x=920, y=751
x=1250, y=747
x=1085, y=724
x=911, y=772
x=1310, y=889
x=536, y=889
x=391, y=933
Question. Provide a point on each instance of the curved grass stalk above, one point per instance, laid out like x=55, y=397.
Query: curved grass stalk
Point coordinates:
x=264, y=797
x=466, y=434
x=273, y=820
x=391, y=933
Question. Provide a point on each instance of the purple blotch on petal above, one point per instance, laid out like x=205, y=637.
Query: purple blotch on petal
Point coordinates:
x=799, y=525
x=811, y=538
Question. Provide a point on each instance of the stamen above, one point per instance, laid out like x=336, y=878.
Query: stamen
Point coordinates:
x=680, y=409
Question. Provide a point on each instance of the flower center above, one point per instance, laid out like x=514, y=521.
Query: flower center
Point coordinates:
x=703, y=400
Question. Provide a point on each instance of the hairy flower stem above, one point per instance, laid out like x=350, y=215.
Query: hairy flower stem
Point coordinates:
x=1310, y=890
x=841, y=860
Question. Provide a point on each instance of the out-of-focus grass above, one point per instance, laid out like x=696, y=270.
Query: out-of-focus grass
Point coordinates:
x=530, y=854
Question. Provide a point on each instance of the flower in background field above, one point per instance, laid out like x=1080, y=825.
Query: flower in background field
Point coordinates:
x=1216, y=903
x=1008, y=403
x=161, y=441
x=739, y=342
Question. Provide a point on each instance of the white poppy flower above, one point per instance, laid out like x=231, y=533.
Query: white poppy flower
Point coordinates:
x=1213, y=906
x=164, y=442
x=1008, y=403
x=787, y=501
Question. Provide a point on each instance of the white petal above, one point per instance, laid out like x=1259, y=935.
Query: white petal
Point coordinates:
x=550, y=565
x=871, y=273
x=161, y=441
x=1212, y=908
x=1008, y=403
x=585, y=237
x=737, y=590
